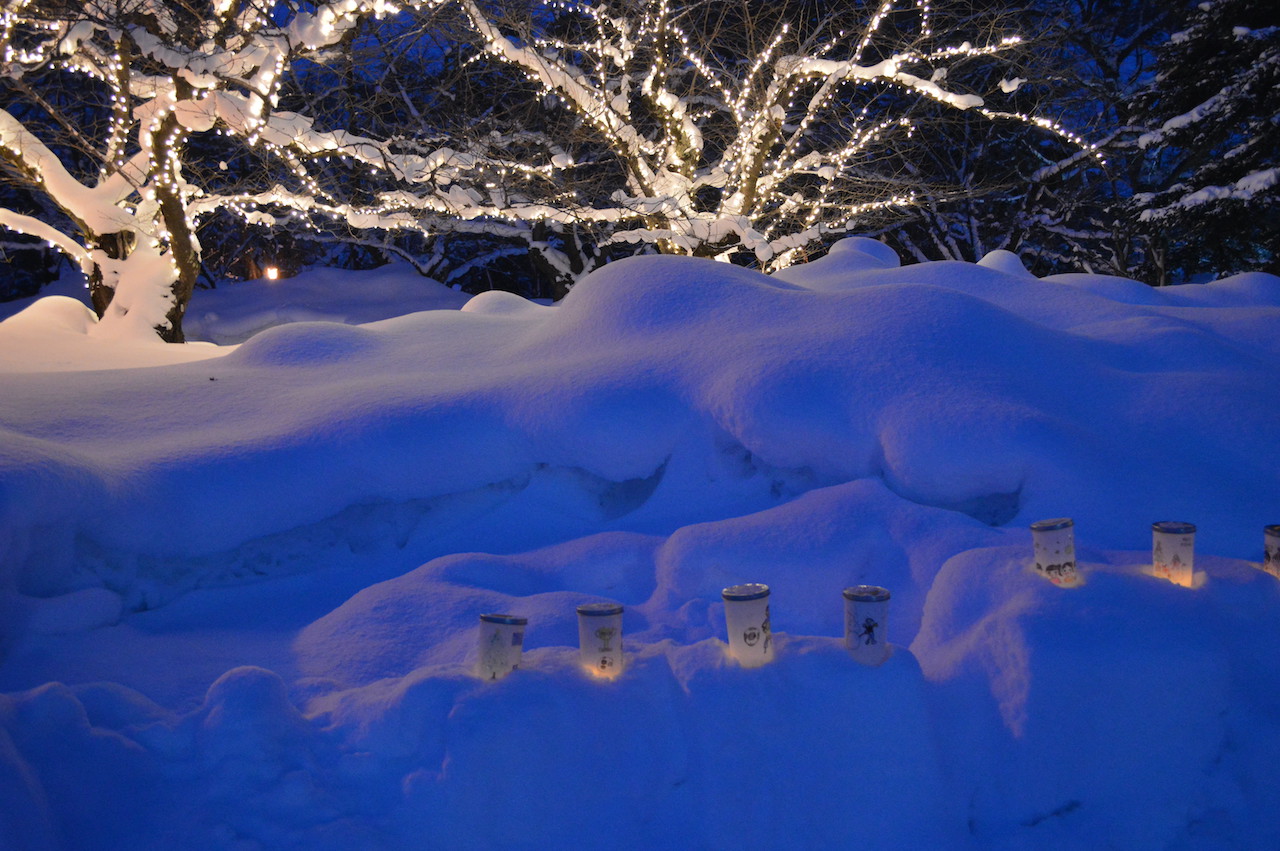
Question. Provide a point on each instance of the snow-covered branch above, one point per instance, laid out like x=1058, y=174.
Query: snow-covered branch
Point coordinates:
x=137, y=79
x=759, y=136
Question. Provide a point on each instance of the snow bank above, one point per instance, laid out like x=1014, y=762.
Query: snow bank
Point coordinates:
x=240, y=593
x=1128, y=708
x=669, y=380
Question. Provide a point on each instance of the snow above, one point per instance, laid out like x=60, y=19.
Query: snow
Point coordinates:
x=232, y=313
x=1244, y=189
x=240, y=578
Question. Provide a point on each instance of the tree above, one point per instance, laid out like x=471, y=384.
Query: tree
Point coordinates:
x=1211, y=194
x=740, y=130
x=1060, y=206
x=118, y=107
x=715, y=128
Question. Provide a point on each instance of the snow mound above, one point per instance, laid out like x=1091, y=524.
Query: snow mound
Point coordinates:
x=319, y=344
x=52, y=314
x=239, y=595
x=502, y=303
x=681, y=382
x=838, y=268
x=1005, y=261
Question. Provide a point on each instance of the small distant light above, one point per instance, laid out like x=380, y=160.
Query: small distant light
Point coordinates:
x=272, y=273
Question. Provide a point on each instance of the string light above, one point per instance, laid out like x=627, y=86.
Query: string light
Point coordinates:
x=779, y=183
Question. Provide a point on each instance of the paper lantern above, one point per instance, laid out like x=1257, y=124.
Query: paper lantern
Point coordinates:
x=1173, y=549
x=1271, y=550
x=866, y=623
x=271, y=273
x=600, y=638
x=746, y=615
x=501, y=645
x=1055, y=550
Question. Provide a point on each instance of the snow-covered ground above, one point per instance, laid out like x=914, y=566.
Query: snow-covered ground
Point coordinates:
x=241, y=580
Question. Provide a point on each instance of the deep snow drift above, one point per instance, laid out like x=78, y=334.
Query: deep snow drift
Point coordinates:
x=215, y=632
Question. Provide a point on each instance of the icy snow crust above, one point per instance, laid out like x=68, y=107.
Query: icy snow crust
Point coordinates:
x=215, y=631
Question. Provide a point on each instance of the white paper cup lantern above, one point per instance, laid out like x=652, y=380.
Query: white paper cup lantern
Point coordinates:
x=501, y=645
x=1271, y=550
x=600, y=638
x=746, y=615
x=1173, y=549
x=866, y=623
x=1055, y=549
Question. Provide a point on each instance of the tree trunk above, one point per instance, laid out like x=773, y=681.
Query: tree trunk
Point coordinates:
x=116, y=246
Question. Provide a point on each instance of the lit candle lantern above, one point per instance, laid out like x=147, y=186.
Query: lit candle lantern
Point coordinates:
x=1055, y=549
x=1271, y=550
x=866, y=623
x=600, y=638
x=746, y=615
x=272, y=273
x=501, y=645
x=1173, y=548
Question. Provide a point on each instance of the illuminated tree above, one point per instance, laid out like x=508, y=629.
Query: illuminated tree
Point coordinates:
x=740, y=130
x=735, y=129
x=114, y=96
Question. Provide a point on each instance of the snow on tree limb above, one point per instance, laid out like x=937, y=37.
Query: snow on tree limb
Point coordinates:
x=704, y=139
x=166, y=73
x=56, y=238
x=93, y=208
x=744, y=151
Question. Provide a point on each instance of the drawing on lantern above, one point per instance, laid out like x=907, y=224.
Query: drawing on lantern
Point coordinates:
x=751, y=635
x=605, y=634
x=493, y=654
x=1061, y=572
x=869, y=631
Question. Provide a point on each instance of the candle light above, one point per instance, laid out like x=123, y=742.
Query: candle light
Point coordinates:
x=272, y=273
x=746, y=615
x=501, y=645
x=866, y=623
x=600, y=638
x=1271, y=550
x=1173, y=546
x=1055, y=550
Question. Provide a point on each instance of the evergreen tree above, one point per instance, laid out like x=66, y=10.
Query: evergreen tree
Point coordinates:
x=1211, y=199
x=1059, y=206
